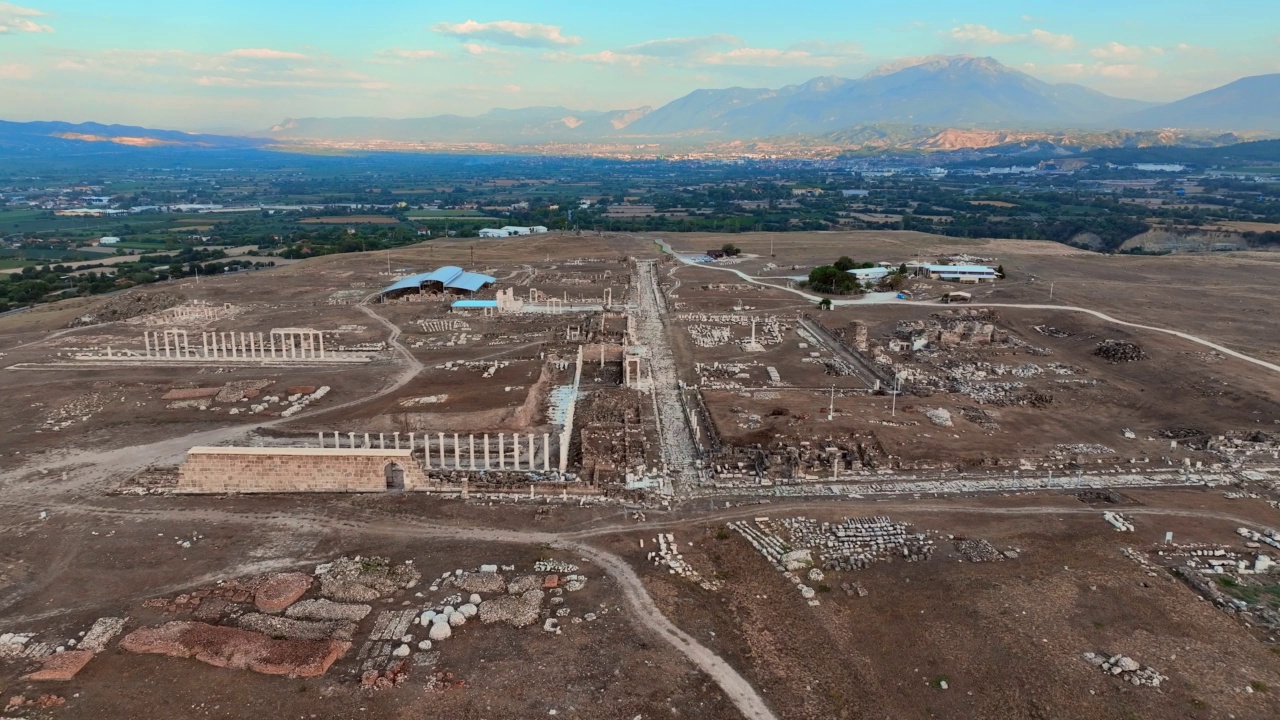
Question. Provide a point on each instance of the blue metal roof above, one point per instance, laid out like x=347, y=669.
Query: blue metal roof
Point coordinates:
x=464, y=304
x=409, y=283
x=448, y=276
x=469, y=281
x=443, y=275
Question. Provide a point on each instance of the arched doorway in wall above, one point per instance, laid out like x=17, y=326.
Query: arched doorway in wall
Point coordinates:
x=395, y=476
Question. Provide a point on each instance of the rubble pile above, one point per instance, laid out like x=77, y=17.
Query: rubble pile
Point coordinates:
x=364, y=579
x=515, y=610
x=128, y=305
x=851, y=544
x=1118, y=521
x=978, y=550
x=939, y=416
x=1125, y=668
x=668, y=554
x=1119, y=351
x=283, y=627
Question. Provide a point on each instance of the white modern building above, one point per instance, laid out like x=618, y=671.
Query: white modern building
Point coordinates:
x=869, y=274
x=511, y=231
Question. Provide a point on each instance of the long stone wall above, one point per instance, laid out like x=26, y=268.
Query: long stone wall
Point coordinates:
x=294, y=470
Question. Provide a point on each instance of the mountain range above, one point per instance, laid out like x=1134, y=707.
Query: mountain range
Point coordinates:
x=928, y=104
x=951, y=91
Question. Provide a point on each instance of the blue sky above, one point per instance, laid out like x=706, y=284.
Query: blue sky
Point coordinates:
x=239, y=65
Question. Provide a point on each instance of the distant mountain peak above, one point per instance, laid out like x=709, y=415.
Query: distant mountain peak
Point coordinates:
x=935, y=63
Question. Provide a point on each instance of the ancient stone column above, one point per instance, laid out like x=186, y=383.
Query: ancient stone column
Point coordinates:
x=471, y=439
x=440, y=436
x=502, y=451
x=352, y=438
x=321, y=346
x=273, y=345
x=204, y=337
x=457, y=453
x=486, y=451
x=321, y=434
x=532, y=453
x=411, y=442
x=166, y=343
x=366, y=441
x=546, y=452
x=146, y=341
x=382, y=441
x=397, y=441
x=335, y=440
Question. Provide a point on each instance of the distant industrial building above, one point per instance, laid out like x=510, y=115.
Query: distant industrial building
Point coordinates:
x=108, y=240
x=511, y=231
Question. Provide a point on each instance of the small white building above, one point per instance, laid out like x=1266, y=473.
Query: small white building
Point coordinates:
x=108, y=240
x=869, y=274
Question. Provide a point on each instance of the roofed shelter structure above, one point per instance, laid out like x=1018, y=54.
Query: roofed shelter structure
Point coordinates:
x=448, y=279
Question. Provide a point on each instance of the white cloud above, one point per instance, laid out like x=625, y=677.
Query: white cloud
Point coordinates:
x=16, y=72
x=681, y=46
x=1126, y=71
x=18, y=19
x=508, y=32
x=982, y=35
x=1114, y=71
x=771, y=57
x=266, y=54
x=604, y=57
x=180, y=68
x=1053, y=41
x=1116, y=51
x=399, y=55
x=485, y=50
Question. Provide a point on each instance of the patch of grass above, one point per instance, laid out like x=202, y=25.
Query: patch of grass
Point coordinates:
x=1227, y=581
x=1098, y=626
x=824, y=588
x=1259, y=686
x=722, y=533
x=1198, y=704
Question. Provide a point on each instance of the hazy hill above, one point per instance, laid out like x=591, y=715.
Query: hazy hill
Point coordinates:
x=514, y=126
x=53, y=135
x=956, y=91
x=1251, y=103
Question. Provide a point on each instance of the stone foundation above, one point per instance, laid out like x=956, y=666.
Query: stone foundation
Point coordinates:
x=294, y=470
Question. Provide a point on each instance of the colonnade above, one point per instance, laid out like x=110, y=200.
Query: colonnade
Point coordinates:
x=289, y=344
x=454, y=451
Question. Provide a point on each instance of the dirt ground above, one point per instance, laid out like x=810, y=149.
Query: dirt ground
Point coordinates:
x=1007, y=637
x=499, y=671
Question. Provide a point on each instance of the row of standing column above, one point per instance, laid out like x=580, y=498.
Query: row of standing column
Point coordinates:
x=236, y=346
x=508, y=457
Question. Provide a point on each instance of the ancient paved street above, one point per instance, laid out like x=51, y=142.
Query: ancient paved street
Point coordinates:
x=678, y=447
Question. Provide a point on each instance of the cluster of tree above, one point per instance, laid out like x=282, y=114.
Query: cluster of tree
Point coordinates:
x=36, y=285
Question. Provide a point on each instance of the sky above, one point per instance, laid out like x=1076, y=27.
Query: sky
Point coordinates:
x=235, y=65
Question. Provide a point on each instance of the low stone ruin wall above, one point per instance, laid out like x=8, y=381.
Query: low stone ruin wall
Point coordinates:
x=210, y=470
